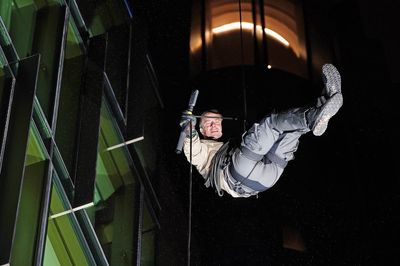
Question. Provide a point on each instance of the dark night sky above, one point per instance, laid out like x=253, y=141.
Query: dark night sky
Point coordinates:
x=342, y=191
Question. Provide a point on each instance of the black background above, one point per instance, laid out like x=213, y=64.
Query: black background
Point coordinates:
x=341, y=193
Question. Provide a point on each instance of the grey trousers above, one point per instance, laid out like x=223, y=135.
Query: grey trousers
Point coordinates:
x=265, y=150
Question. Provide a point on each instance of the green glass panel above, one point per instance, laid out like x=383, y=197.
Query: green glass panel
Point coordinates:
x=36, y=150
x=118, y=47
x=63, y=174
x=74, y=42
x=108, y=13
x=115, y=222
x=13, y=160
x=21, y=25
x=6, y=93
x=47, y=41
x=3, y=60
x=107, y=179
x=41, y=121
x=124, y=226
x=7, y=49
x=50, y=256
x=5, y=12
x=27, y=226
x=5, y=75
x=63, y=234
x=113, y=168
x=97, y=196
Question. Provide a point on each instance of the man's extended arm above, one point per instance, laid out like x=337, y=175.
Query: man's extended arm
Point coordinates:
x=200, y=153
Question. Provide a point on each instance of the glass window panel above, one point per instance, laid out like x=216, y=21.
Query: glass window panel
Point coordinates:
x=285, y=35
x=14, y=153
x=6, y=91
x=69, y=102
x=3, y=77
x=115, y=189
x=229, y=33
x=41, y=122
x=5, y=12
x=47, y=42
x=101, y=15
x=112, y=152
x=21, y=25
x=36, y=149
x=63, y=173
x=107, y=176
x=3, y=87
x=266, y=33
x=117, y=62
x=3, y=61
x=7, y=49
x=65, y=242
x=86, y=217
x=50, y=255
x=27, y=224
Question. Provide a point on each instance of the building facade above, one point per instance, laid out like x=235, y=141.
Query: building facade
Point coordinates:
x=77, y=168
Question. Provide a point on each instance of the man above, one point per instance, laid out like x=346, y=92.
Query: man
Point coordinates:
x=254, y=165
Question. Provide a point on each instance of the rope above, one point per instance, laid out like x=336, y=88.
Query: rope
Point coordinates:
x=190, y=196
x=190, y=124
x=242, y=68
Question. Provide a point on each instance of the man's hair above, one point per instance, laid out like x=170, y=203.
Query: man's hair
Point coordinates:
x=213, y=111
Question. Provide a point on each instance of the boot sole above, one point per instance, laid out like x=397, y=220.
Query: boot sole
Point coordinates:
x=332, y=79
x=329, y=109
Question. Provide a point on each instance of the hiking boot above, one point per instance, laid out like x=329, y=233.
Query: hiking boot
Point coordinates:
x=332, y=80
x=318, y=117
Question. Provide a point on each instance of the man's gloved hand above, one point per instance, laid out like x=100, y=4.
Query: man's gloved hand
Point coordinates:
x=186, y=117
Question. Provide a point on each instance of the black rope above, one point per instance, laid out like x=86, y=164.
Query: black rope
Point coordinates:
x=242, y=70
x=190, y=196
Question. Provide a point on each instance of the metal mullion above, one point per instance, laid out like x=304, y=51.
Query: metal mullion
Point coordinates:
x=42, y=124
x=114, y=105
x=77, y=17
x=43, y=219
x=128, y=9
x=13, y=168
x=94, y=243
x=152, y=212
x=61, y=51
x=89, y=122
x=139, y=227
x=5, y=117
x=128, y=73
x=3, y=57
x=45, y=202
x=73, y=11
x=154, y=80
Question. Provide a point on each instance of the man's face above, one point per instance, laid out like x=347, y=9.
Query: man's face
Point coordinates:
x=211, y=125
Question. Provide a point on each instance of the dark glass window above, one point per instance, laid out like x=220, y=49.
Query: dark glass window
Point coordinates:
x=269, y=33
x=285, y=36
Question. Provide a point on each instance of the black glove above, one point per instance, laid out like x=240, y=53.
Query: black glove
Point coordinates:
x=186, y=117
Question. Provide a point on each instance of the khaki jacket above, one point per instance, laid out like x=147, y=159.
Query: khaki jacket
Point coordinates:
x=203, y=151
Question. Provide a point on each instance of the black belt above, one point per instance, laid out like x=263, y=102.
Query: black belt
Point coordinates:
x=241, y=180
